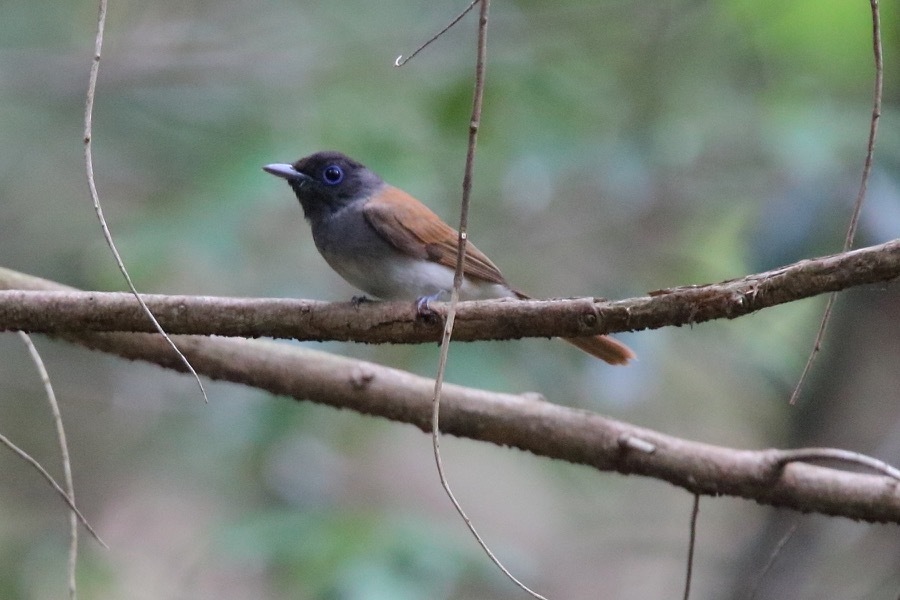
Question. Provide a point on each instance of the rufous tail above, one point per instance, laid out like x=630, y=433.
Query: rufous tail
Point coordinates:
x=605, y=348
x=601, y=346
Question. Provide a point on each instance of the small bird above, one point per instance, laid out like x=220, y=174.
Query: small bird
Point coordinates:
x=388, y=244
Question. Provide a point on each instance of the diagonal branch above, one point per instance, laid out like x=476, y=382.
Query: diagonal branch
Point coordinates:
x=524, y=422
x=382, y=322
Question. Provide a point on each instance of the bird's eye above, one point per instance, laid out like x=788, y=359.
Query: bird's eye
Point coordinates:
x=333, y=175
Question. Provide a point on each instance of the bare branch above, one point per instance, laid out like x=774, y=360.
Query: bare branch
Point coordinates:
x=545, y=429
x=396, y=322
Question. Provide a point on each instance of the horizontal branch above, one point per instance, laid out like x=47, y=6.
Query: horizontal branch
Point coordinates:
x=524, y=422
x=396, y=322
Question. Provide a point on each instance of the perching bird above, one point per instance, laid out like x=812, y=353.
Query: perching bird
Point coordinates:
x=388, y=244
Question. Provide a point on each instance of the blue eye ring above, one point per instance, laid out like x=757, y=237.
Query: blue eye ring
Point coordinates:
x=332, y=175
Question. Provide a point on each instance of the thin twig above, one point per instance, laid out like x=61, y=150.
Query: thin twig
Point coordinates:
x=95, y=197
x=27, y=458
x=837, y=454
x=454, y=294
x=400, y=61
x=860, y=195
x=64, y=452
x=691, y=542
x=754, y=586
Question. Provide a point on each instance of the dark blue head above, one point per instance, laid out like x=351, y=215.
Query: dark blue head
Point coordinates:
x=325, y=182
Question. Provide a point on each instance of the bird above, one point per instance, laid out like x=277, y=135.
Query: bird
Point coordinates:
x=391, y=246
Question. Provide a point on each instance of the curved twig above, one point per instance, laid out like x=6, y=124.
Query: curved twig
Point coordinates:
x=860, y=195
x=64, y=452
x=95, y=197
x=447, y=333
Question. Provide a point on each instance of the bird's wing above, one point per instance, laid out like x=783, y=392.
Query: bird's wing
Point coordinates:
x=413, y=228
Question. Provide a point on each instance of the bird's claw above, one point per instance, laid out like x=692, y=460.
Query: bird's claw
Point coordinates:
x=357, y=300
x=423, y=306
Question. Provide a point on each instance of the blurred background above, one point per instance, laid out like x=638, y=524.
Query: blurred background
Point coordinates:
x=625, y=147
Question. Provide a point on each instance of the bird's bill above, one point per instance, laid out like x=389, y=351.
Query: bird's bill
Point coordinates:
x=284, y=171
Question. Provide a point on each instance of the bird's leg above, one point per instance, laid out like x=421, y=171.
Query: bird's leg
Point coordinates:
x=423, y=308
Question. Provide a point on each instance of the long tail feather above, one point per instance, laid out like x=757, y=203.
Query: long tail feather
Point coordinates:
x=605, y=348
x=602, y=346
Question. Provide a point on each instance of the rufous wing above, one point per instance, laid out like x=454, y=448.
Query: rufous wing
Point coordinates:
x=414, y=229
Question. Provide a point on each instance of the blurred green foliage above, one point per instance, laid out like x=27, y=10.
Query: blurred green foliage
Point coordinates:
x=374, y=557
x=625, y=147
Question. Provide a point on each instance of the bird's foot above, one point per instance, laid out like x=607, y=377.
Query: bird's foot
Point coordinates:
x=423, y=306
x=357, y=300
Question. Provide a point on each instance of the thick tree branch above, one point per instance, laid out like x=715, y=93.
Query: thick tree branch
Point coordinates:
x=524, y=422
x=57, y=312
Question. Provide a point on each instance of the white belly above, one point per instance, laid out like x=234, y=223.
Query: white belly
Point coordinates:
x=402, y=278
